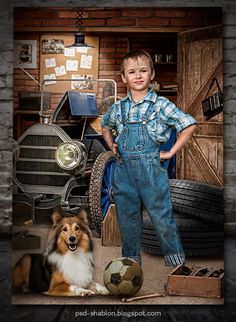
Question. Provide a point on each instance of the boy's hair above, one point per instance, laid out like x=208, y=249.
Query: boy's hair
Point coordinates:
x=135, y=54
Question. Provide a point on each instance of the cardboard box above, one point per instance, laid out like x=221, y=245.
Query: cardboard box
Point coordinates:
x=195, y=281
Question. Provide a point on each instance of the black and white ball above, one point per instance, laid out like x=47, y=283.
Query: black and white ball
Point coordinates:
x=123, y=277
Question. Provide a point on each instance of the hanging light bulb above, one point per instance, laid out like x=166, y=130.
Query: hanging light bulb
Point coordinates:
x=79, y=36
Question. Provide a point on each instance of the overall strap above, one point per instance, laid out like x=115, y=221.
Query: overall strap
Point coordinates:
x=151, y=108
x=123, y=116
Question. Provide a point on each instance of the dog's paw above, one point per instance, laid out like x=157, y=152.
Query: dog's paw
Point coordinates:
x=100, y=289
x=83, y=292
x=79, y=291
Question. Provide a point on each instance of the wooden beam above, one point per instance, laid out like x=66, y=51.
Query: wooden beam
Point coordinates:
x=196, y=103
x=202, y=163
x=211, y=129
x=98, y=30
x=211, y=32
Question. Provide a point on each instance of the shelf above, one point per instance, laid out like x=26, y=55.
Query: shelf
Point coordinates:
x=165, y=63
x=27, y=112
x=167, y=90
x=163, y=48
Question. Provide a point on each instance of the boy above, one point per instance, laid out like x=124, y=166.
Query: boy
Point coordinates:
x=143, y=120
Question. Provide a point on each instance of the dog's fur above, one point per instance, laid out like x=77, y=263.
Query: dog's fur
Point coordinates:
x=66, y=268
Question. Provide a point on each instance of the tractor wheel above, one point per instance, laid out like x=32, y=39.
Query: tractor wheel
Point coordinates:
x=197, y=200
x=100, y=194
x=198, y=238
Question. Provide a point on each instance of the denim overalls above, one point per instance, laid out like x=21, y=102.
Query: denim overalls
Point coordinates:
x=139, y=177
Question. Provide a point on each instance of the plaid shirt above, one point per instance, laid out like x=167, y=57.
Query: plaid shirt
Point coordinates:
x=165, y=116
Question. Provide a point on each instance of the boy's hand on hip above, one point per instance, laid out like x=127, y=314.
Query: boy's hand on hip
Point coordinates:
x=114, y=149
x=165, y=155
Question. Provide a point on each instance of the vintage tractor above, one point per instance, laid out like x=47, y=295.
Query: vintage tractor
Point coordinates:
x=63, y=160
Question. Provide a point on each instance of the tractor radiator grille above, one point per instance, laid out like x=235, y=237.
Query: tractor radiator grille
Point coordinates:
x=36, y=165
x=41, y=140
x=35, y=153
x=42, y=180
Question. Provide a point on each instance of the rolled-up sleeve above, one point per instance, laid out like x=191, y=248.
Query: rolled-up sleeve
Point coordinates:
x=175, y=117
x=109, y=119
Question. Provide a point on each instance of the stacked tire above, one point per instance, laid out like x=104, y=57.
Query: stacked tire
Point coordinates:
x=198, y=209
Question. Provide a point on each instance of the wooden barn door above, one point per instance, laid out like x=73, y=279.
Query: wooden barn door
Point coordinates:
x=199, y=61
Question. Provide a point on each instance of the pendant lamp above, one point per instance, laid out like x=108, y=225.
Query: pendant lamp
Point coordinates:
x=79, y=36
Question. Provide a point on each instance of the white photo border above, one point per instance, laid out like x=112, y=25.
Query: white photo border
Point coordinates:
x=32, y=54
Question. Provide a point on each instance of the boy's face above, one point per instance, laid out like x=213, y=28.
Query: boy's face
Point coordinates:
x=137, y=73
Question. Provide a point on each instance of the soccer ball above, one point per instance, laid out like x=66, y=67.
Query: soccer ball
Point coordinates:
x=123, y=276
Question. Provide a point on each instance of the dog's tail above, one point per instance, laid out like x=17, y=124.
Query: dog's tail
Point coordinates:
x=31, y=273
x=21, y=274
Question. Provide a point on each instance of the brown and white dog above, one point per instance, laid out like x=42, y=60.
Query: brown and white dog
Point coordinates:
x=66, y=268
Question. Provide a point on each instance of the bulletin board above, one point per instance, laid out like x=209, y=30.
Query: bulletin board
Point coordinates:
x=58, y=63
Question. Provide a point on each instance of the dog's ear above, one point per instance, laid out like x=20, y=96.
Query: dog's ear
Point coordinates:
x=56, y=217
x=52, y=235
x=83, y=215
x=51, y=241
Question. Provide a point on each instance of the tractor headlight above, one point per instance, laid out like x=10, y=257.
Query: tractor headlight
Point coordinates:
x=69, y=155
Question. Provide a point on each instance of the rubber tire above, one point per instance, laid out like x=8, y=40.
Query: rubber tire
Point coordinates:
x=197, y=200
x=95, y=186
x=198, y=238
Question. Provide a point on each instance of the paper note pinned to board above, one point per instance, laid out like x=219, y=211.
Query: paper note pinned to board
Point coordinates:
x=61, y=70
x=50, y=62
x=69, y=52
x=82, y=50
x=71, y=65
x=86, y=61
x=52, y=78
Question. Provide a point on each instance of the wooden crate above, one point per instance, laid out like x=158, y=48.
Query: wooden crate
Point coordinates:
x=110, y=231
x=195, y=281
x=26, y=242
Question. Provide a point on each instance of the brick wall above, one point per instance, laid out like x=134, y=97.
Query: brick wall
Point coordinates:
x=117, y=17
x=112, y=49
x=29, y=22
